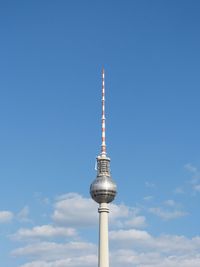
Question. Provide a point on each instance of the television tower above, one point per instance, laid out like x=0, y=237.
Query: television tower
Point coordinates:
x=103, y=189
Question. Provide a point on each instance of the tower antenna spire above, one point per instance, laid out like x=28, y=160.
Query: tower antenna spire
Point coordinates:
x=103, y=118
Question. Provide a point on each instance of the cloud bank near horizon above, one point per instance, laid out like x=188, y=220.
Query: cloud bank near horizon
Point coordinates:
x=65, y=241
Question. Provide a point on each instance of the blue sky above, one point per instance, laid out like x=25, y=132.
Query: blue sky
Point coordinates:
x=52, y=53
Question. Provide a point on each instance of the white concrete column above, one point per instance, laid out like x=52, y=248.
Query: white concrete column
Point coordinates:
x=103, y=235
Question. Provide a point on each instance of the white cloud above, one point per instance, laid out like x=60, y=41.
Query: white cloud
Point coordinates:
x=148, y=198
x=74, y=209
x=41, y=199
x=140, y=249
x=168, y=210
x=52, y=251
x=136, y=222
x=142, y=241
x=6, y=216
x=197, y=187
x=191, y=168
x=179, y=190
x=195, y=179
x=167, y=214
x=84, y=261
x=44, y=231
x=127, y=247
x=23, y=215
x=170, y=203
x=128, y=235
x=192, y=185
x=124, y=216
x=150, y=184
x=129, y=258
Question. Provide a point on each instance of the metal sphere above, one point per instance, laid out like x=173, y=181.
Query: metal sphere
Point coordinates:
x=103, y=189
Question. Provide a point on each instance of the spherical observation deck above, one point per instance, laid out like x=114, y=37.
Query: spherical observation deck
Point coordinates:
x=103, y=189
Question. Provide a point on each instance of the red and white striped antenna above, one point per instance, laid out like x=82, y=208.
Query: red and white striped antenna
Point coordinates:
x=103, y=118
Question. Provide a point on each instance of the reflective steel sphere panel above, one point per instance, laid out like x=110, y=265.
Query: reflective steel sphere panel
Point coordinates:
x=103, y=189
